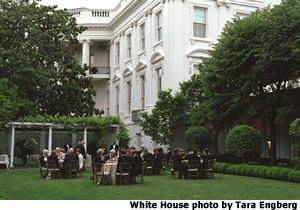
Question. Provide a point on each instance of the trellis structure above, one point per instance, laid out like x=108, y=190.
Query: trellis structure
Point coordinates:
x=50, y=126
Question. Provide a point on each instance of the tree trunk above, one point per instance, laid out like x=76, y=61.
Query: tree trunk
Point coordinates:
x=273, y=140
x=216, y=141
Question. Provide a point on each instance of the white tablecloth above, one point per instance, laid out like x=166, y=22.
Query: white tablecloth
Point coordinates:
x=110, y=169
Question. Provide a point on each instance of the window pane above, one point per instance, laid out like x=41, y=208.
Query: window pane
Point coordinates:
x=199, y=30
x=199, y=15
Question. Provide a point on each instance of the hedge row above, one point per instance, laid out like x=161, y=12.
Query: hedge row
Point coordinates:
x=279, y=173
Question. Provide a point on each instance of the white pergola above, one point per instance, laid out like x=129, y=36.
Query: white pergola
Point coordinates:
x=15, y=125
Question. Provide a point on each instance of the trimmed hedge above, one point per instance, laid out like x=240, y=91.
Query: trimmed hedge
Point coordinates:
x=278, y=173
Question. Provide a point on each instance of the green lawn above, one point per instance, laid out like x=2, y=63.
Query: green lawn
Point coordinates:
x=25, y=184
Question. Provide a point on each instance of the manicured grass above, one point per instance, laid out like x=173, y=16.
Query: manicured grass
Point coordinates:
x=25, y=184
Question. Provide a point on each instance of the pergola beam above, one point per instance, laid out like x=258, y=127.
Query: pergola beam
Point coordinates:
x=14, y=125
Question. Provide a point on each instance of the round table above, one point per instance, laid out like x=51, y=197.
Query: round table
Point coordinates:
x=110, y=170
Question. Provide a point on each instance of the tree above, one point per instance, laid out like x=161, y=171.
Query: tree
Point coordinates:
x=255, y=66
x=123, y=137
x=169, y=113
x=244, y=140
x=36, y=43
x=198, y=136
x=8, y=102
x=295, y=128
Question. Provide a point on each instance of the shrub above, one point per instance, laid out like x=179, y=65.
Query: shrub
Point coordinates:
x=249, y=170
x=231, y=169
x=263, y=171
x=123, y=137
x=283, y=174
x=296, y=177
x=239, y=169
x=222, y=167
x=256, y=171
x=296, y=163
x=244, y=140
x=198, y=136
x=295, y=128
x=290, y=176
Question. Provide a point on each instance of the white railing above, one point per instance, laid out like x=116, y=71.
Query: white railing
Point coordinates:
x=99, y=70
x=100, y=13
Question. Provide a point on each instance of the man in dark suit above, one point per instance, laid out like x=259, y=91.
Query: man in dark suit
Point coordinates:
x=169, y=154
x=70, y=156
x=137, y=164
x=178, y=166
x=205, y=158
x=111, y=155
x=123, y=158
x=53, y=156
x=114, y=146
x=158, y=159
x=147, y=155
x=67, y=146
x=192, y=156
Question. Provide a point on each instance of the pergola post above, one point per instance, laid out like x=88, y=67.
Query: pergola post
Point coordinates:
x=50, y=140
x=12, y=146
x=85, y=139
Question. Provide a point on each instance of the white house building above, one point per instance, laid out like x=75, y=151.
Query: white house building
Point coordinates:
x=143, y=46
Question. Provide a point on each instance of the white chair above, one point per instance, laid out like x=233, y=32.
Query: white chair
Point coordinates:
x=4, y=160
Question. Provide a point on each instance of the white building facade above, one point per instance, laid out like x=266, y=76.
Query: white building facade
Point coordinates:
x=143, y=46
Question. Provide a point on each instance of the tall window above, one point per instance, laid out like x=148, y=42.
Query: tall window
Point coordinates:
x=142, y=79
x=129, y=46
x=128, y=97
x=118, y=53
x=158, y=81
x=199, y=22
x=142, y=35
x=117, y=101
x=158, y=26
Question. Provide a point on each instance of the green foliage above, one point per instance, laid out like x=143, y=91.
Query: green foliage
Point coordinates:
x=295, y=128
x=74, y=123
x=123, y=137
x=296, y=163
x=243, y=140
x=198, y=136
x=169, y=113
x=30, y=145
x=8, y=102
x=253, y=69
x=36, y=52
x=278, y=173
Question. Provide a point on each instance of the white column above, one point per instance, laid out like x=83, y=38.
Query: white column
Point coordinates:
x=50, y=140
x=86, y=52
x=12, y=147
x=85, y=139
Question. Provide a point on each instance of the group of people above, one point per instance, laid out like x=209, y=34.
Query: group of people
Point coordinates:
x=179, y=157
x=65, y=155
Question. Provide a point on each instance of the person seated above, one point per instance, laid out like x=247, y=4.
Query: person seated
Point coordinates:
x=110, y=156
x=141, y=152
x=63, y=153
x=80, y=145
x=147, y=155
x=137, y=165
x=158, y=158
x=192, y=155
x=205, y=157
x=53, y=156
x=124, y=158
x=80, y=158
x=71, y=155
x=99, y=158
x=169, y=154
x=58, y=153
x=177, y=161
x=44, y=157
